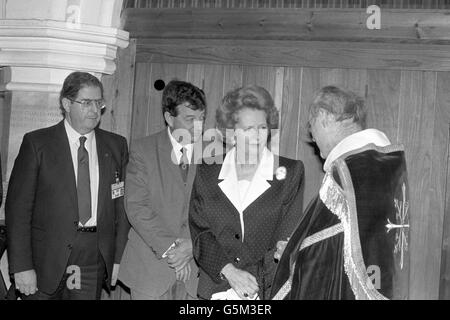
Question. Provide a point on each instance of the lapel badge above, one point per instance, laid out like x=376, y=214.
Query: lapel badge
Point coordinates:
x=280, y=173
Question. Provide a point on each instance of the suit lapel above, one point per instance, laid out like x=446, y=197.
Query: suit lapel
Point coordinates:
x=229, y=187
x=168, y=160
x=64, y=163
x=257, y=187
x=104, y=168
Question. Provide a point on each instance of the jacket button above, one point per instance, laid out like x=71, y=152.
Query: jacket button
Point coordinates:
x=237, y=260
x=237, y=236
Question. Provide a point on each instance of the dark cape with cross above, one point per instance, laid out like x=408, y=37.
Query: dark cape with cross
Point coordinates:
x=353, y=241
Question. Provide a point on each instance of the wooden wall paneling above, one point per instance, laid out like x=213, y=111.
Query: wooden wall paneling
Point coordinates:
x=306, y=150
x=323, y=24
x=118, y=93
x=290, y=112
x=332, y=76
x=264, y=76
x=383, y=101
x=278, y=101
x=232, y=77
x=341, y=4
x=356, y=81
x=165, y=72
x=196, y=75
x=325, y=54
x=441, y=163
x=416, y=123
x=214, y=82
x=348, y=79
x=444, y=288
x=141, y=100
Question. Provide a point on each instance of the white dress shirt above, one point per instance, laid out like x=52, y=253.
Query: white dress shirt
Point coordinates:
x=176, y=146
x=242, y=193
x=91, y=147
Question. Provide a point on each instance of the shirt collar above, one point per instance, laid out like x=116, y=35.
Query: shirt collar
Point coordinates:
x=356, y=141
x=178, y=146
x=264, y=170
x=74, y=136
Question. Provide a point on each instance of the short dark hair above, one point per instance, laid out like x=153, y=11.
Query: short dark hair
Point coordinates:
x=341, y=103
x=177, y=92
x=251, y=97
x=74, y=83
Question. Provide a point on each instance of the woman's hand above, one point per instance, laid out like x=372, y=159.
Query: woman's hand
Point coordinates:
x=243, y=282
x=281, y=245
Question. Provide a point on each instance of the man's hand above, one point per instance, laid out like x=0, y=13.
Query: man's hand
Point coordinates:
x=26, y=282
x=243, y=282
x=184, y=274
x=281, y=245
x=180, y=256
x=115, y=274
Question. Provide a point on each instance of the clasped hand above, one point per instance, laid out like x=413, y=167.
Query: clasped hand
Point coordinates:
x=179, y=258
x=243, y=282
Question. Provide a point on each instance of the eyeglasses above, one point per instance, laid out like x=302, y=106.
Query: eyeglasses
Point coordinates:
x=88, y=103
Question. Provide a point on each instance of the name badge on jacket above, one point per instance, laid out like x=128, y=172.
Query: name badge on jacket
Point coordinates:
x=118, y=188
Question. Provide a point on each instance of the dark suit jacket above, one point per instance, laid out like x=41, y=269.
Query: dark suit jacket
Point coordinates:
x=157, y=203
x=42, y=210
x=216, y=230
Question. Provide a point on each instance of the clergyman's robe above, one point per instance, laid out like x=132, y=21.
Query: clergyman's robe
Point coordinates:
x=353, y=240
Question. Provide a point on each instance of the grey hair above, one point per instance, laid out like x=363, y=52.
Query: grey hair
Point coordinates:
x=341, y=103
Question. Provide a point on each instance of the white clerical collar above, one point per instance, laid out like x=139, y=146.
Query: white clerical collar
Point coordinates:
x=264, y=170
x=356, y=141
x=74, y=136
x=178, y=146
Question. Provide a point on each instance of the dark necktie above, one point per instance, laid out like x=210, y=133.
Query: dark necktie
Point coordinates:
x=184, y=164
x=83, y=183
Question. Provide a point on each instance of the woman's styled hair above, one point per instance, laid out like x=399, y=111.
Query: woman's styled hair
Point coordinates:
x=251, y=97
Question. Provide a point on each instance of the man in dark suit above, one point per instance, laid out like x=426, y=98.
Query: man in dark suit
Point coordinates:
x=159, y=182
x=65, y=217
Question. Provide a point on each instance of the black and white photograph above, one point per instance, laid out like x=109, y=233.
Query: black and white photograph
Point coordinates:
x=224, y=154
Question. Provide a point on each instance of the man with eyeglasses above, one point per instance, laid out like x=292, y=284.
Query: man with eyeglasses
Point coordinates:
x=65, y=216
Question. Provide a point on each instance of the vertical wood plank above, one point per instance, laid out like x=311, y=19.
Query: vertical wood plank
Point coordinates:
x=232, y=78
x=306, y=150
x=290, y=112
x=383, y=101
x=347, y=79
x=261, y=76
x=213, y=75
x=416, y=122
x=441, y=163
x=118, y=93
x=196, y=75
x=141, y=100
